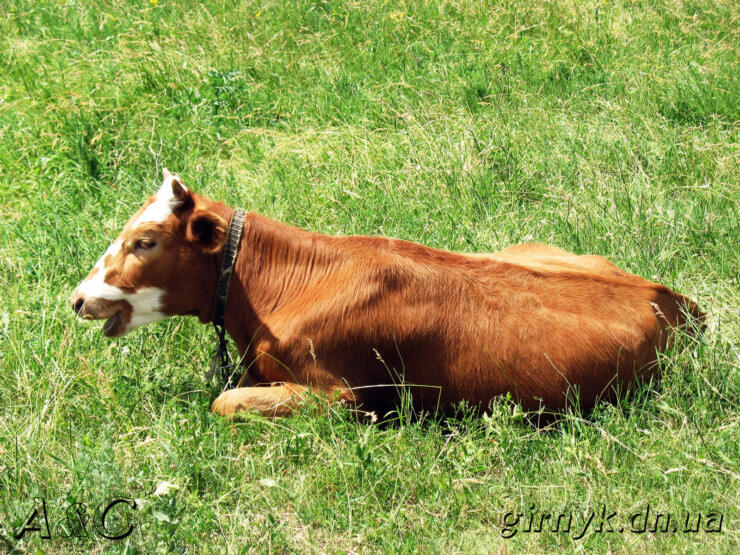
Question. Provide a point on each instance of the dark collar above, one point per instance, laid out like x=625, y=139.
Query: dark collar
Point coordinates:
x=218, y=314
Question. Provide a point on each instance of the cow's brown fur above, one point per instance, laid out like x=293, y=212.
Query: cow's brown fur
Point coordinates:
x=354, y=317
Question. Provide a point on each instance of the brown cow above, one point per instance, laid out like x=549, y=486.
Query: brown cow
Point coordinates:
x=351, y=318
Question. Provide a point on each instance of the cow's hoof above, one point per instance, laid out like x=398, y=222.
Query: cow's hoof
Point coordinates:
x=226, y=404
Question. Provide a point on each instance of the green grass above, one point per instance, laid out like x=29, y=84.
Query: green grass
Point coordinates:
x=601, y=127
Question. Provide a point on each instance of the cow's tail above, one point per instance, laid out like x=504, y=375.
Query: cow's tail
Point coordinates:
x=681, y=312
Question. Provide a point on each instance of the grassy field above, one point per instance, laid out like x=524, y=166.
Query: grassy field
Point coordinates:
x=601, y=127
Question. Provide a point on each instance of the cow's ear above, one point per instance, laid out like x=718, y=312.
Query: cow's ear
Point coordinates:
x=206, y=231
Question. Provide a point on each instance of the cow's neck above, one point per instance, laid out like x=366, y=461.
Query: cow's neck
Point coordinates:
x=274, y=264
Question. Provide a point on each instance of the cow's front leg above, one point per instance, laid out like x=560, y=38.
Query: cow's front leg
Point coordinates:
x=275, y=400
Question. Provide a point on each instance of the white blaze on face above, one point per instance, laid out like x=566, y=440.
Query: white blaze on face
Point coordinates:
x=146, y=302
x=164, y=203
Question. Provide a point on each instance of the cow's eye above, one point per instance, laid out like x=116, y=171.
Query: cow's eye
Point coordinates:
x=145, y=244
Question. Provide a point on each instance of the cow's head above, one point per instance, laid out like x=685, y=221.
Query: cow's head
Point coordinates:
x=164, y=262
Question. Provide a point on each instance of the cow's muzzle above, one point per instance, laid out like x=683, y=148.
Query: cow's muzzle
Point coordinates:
x=116, y=313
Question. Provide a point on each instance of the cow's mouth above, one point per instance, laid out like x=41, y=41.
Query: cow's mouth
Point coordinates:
x=117, y=314
x=114, y=325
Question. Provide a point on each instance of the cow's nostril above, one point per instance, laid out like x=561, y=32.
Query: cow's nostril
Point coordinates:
x=78, y=305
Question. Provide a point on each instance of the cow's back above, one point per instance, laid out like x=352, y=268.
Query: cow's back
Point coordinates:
x=537, y=321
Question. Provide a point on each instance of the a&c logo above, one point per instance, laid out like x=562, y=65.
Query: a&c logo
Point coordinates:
x=113, y=519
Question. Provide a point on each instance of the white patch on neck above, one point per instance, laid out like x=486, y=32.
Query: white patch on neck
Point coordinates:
x=147, y=307
x=164, y=204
